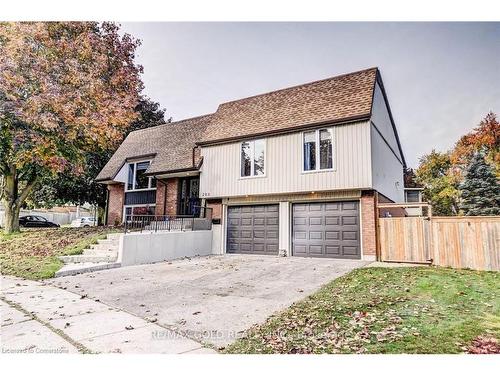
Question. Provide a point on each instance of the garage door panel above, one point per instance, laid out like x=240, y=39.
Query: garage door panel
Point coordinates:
x=332, y=235
x=233, y=221
x=315, y=208
x=259, y=221
x=332, y=250
x=349, y=220
x=302, y=235
x=272, y=248
x=272, y=235
x=316, y=220
x=272, y=221
x=315, y=235
x=245, y=234
x=253, y=229
x=326, y=229
x=332, y=220
x=350, y=250
x=271, y=208
x=349, y=236
x=259, y=234
x=315, y=249
x=244, y=221
x=299, y=221
x=346, y=206
x=332, y=206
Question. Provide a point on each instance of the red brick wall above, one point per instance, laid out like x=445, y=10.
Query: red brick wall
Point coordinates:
x=368, y=223
x=160, y=198
x=172, y=191
x=115, y=203
x=216, y=206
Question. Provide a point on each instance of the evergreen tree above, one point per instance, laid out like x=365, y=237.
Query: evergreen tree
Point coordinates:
x=480, y=189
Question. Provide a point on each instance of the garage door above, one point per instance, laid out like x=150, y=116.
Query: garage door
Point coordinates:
x=328, y=230
x=252, y=229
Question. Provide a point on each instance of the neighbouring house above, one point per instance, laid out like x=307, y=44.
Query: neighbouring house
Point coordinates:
x=413, y=195
x=298, y=170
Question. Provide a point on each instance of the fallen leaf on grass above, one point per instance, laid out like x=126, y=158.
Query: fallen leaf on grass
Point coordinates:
x=484, y=345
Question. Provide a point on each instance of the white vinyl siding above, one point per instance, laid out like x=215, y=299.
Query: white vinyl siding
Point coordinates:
x=220, y=172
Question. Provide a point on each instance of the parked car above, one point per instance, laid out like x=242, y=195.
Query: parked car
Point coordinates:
x=32, y=221
x=83, y=222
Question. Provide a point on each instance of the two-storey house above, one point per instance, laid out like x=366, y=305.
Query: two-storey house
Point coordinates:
x=296, y=171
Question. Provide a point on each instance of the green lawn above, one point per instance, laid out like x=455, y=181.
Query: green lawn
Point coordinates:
x=32, y=254
x=386, y=310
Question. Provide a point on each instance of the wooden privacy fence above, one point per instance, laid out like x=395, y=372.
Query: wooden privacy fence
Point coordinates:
x=458, y=242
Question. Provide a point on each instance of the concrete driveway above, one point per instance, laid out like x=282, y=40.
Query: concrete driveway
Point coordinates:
x=210, y=299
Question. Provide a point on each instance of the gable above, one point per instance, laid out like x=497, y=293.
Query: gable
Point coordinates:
x=382, y=120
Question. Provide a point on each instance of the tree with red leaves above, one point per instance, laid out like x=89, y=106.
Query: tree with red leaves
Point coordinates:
x=66, y=88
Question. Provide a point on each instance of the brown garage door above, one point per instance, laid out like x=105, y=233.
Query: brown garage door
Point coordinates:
x=327, y=230
x=252, y=229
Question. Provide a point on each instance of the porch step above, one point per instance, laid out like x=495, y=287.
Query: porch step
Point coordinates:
x=103, y=247
x=108, y=242
x=97, y=257
x=78, y=268
x=87, y=258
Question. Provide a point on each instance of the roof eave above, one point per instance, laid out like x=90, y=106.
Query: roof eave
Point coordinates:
x=346, y=120
x=171, y=171
x=381, y=84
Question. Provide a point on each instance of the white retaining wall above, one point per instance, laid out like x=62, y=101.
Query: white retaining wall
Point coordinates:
x=217, y=239
x=144, y=248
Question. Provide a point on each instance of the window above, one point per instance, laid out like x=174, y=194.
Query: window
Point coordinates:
x=318, y=150
x=253, y=154
x=137, y=179
x=131, y=211
x=412, y=196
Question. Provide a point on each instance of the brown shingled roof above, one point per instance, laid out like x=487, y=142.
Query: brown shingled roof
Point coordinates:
x=340, y=98
x=170, y=144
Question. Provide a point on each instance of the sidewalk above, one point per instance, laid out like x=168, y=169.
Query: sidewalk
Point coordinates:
x=38, y=318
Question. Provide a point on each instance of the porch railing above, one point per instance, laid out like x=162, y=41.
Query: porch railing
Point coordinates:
x=200, y=220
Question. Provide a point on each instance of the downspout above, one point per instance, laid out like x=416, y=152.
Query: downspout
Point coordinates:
x=165, y=198
x=107, y=206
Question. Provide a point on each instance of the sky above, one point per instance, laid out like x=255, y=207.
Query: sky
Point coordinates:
x=441, y=79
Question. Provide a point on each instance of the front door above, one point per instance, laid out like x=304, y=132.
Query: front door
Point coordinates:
x=189, y=202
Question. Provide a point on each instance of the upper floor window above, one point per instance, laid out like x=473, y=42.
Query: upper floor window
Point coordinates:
x=137, y=180
x=253, y=154
x=318, y=149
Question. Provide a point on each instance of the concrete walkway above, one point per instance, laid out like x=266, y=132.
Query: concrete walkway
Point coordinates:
x=39, y=318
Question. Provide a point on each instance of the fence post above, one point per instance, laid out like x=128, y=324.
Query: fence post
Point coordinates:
x=378, y=251
x=168, y=218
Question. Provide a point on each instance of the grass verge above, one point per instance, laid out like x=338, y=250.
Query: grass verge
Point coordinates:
x=33, y=254
x=385, y=310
